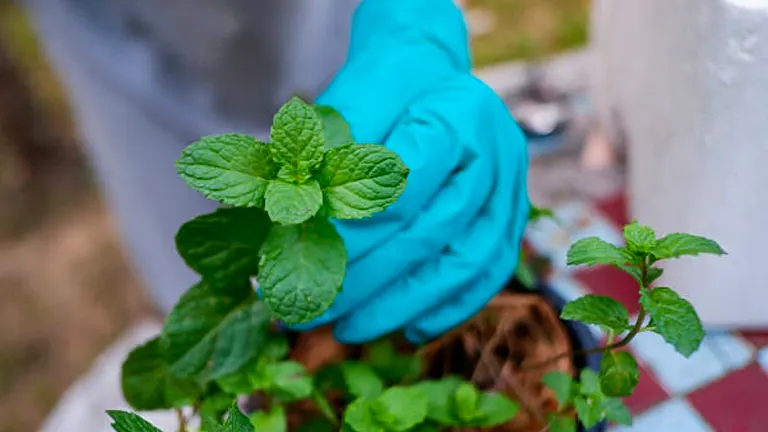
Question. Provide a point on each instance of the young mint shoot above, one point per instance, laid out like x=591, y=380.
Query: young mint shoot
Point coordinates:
x=275, y=226
x=672, y=317
x=129, y=422
x=584, y=397
x=304, y=175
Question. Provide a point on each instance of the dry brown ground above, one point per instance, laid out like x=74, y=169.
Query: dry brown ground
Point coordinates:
x=66, y=290
x=66, y=293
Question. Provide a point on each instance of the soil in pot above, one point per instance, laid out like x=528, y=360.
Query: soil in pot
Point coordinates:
x=501, y=349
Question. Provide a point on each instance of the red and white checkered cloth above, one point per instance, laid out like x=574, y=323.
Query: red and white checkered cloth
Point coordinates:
x=722, y=388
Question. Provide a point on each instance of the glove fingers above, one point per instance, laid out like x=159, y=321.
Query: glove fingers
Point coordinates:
x=451, y=210
x=395, y=55
x=438, y=198
x=441, y=132
x=468, y=300
x=501, y=171
x=432, y=154
x=454, y=284
x=472, y=297
x=437, y=280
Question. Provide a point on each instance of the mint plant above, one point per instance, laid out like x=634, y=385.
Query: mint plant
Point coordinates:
x=305, y=175
x=223, y=339
x=594, y=397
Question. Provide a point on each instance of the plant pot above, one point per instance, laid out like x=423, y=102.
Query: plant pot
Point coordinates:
x=581, y=338
x=318, y=348
x=518, y=333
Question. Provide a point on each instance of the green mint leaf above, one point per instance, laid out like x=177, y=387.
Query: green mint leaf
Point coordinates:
x=325, y=408
x=427, y=427
x=290, y=204
x=210, y=423
x=302, y=268
x=589, y=412
x=330, y=378
x=359, y=180
x=359, y=417
x=318, y=425
x=677, y=245
x=224, y=245
x=617, y=412
x=361, y=380
x=632, y=270
x=599, y=310
x=593, y=251
x=391, y=366
x=439, y=396
x=493, y=409
x=237, y=421
x=561, y=384
x=296, y=141
x=335, y=128
x=214, y=330
x=675, y=319
x=400, y=408
x=129, y=422
x=526, y=275
x=589, y=383
x=654, y=273
x=276, y=348
x=562, y=424
x=537, y=213
x=216, y=403
x=148, y=385
x=465, y=400
x=640, y=238
x=288, y=381
x=232, y=168
x=246, y=379
x=272, y=421
x=618, y=374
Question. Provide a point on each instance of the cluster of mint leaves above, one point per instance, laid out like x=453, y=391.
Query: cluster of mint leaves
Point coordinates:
x=219, y=341
x=282, y=194
x=381, y=393
x=594, y=397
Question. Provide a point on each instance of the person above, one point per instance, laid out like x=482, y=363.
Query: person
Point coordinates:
x=147, y=77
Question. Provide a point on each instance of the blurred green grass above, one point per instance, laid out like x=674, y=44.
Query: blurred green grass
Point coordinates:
x=530, y=29
x=18, y=35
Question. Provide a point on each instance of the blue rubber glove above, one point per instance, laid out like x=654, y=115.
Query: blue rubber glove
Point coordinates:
x=451, y=242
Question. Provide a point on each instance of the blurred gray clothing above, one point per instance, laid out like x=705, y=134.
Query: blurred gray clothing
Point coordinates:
x=147, y=77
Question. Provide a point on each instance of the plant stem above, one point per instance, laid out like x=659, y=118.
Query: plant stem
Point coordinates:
x=636, y=328
x=182, y=420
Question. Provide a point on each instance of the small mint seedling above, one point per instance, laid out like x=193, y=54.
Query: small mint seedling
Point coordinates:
x=218, y=342
x=586, y=398
x=309, y=171
x=668, y=314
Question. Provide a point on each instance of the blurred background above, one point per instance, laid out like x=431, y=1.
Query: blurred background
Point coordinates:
x=67, y=290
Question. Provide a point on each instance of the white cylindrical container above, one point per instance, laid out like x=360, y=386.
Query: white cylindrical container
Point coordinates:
x=687, y=83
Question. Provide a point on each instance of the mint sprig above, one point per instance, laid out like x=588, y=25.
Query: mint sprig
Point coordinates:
x=309, y=171
x=276, y=227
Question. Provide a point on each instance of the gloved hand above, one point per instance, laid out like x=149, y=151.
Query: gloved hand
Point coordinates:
x=451, y=242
